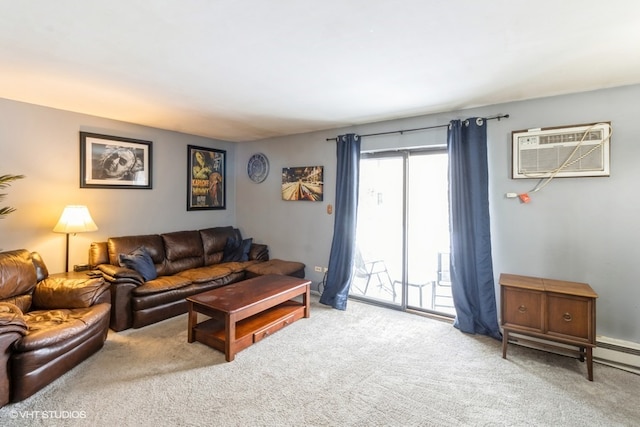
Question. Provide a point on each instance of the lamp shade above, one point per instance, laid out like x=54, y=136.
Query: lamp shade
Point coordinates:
x=75, y=219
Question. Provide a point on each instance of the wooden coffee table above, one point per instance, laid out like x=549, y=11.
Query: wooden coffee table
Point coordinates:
x=246, y=312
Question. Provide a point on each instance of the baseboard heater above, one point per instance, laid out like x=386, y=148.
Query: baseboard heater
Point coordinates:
x=617, y=353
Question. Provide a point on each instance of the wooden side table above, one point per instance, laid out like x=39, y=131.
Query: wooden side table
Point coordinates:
x=74, y=275
x=549, y=310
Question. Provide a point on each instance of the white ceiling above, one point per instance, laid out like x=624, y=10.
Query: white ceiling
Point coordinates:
x=252, y=69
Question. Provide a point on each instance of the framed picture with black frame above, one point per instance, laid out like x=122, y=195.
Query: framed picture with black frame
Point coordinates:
x=206, y=178
x=114, y=162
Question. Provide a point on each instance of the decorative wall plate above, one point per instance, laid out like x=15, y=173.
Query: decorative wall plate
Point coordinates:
x=258, y=167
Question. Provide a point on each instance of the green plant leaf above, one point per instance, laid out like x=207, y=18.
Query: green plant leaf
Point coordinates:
x=5, y=181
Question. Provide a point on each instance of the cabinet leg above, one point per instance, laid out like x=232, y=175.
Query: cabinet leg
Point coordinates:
x=590, y=363
x=505, y=342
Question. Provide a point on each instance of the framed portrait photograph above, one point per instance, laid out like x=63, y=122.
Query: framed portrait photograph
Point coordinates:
x=114, y=162
x=206, y=180
x=303, y=183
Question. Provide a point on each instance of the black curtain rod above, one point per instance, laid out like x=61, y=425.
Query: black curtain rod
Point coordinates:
x=502, y=116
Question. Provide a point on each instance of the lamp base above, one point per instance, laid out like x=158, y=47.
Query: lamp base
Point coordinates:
x=66, y=260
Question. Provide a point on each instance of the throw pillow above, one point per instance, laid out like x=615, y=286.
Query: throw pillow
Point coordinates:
x=246, y=247
x=140, y=261
x=236, y=250
x=230, y=249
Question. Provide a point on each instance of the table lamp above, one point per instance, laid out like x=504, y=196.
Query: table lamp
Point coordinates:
x=74, y=219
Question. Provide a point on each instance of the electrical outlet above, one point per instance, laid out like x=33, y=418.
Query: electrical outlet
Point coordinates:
x=318, y=269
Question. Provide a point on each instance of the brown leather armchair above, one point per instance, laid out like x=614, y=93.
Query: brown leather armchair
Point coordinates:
x=48, y=324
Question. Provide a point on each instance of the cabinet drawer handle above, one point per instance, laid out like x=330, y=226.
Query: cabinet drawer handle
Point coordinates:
x=266, y=333
x=567, y=317
x=522, y=309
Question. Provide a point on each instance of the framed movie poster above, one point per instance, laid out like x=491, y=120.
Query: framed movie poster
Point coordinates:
x=114, y=162
x=206, y=180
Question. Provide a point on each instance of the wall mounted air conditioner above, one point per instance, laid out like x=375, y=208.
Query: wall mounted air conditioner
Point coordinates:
x=573, y=151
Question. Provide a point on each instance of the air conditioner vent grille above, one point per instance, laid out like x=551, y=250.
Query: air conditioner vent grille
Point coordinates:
x=594, y=135
x=581, y=150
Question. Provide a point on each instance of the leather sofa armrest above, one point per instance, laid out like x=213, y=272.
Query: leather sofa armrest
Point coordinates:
x=121, y=313
x=259, y=252
x=117, y=274
x=64, y=292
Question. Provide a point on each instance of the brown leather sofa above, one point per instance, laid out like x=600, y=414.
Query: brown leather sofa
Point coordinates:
x=48, y=324
x=184, y=263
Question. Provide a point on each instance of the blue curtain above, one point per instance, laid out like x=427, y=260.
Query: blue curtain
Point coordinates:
x=341, y=258
x=471, y=265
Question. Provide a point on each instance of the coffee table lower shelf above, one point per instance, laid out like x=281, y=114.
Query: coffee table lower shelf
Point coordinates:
x=250, y=330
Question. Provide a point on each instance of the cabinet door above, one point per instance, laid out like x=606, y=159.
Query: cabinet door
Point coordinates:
x=569, y=316
x=523, y=308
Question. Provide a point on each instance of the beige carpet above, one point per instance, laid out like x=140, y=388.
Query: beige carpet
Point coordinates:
x=367, y=366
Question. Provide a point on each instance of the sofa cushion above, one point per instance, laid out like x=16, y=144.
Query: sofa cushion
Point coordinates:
x=127, y=244
x=62, y=292
x=236, y=250
x=205, y=274
x=276, y=266
x=48, y=328
x=162, y=300
x=17, y=273
x=237, y=266
x=140, y=261
x=183, y=250
x=182, y=244
x=162, y=284
x=213, y=242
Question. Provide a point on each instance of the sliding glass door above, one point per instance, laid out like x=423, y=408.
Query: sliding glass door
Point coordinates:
x=403, y=231
x=427, y=233
x=379, y=239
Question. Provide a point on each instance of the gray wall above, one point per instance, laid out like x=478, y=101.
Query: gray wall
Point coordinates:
x=577, y=229
x=43, y=144
x=580, y=229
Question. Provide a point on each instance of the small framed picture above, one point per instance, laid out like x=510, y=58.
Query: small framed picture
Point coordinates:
x=303, y=183
x=114, y=162
x=206, y=180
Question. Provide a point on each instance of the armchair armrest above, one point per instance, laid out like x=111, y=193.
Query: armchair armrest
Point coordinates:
x=59, y=291
x=12, y=319
x=12, y=327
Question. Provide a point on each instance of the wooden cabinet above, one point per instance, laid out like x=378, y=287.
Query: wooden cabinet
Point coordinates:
x=549, y=310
